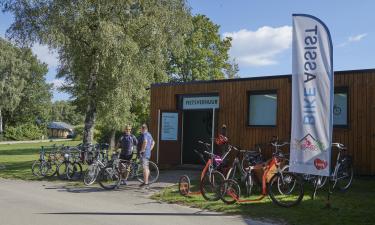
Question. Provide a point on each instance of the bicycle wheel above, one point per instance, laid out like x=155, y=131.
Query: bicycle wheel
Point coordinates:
x=249, y=183
x=210, y=185
x=109, y=178
x=65, y=170
x=245, y=162
x=91, y=174
x=36, y=168
x=285, y=189
x=344, y=176
x=230, y=191
x=154, y=173
x=184, y=185
x=322, y=180
x=77, y=171
x=51, y=168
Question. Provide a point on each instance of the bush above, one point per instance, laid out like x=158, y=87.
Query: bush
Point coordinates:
x=24, y=132
x=78, y=133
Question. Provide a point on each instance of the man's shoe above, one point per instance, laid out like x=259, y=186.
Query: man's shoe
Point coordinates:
x=144, y=186
x=123, y=182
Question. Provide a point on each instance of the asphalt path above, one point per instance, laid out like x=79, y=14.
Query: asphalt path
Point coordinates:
x=53, y=203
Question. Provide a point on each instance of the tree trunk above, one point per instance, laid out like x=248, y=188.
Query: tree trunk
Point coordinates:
x=112, y=142
x=1, y=122
x=88, y=131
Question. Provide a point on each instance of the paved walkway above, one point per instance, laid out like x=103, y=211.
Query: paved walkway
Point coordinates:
x=35, y=141
x=46, y=203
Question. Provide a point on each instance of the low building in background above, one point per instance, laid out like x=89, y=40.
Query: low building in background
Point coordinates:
x=60, y=130
x=254, y=109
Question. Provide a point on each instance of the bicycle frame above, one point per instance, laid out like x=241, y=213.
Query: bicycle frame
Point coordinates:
x=270, y=164
x=207, y=167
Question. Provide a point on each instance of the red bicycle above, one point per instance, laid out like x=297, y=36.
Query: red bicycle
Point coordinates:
x=211, y=178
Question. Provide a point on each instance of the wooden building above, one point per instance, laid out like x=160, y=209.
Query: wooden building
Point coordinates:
x=254, y=110
x=59, y=130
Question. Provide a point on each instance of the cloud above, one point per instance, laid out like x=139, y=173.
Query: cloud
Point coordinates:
x=357, y=37
x=45, y=55
x=352, y=39
x=260, y=47
x=57, y=83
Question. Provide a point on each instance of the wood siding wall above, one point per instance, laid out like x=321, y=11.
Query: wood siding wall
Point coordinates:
x=359, y=136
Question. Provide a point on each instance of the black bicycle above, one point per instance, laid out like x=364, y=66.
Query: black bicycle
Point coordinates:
x=69, y=168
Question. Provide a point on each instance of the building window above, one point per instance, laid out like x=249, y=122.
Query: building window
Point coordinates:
x=340, y=107
x=262, y=109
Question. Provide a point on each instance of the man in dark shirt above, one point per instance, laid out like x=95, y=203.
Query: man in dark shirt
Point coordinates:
x=127, y=142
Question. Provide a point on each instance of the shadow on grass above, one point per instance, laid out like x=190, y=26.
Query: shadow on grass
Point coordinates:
x=23, y=151
x=18, y=170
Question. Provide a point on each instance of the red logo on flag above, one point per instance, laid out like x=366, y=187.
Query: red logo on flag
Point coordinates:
x=320, y=164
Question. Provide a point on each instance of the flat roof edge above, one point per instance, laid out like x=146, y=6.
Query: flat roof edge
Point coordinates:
x=252, y=78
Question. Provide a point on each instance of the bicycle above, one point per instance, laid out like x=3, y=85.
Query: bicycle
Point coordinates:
x=284, y=188
x=109, y=177
x=92, y=172
x=211, y=178
x=250, y=158
x=70, y=166
x=133, y=169
x=44, y=167
x=342, y=175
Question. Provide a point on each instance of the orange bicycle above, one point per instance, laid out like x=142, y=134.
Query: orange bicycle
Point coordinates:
x=284, y=188
x=211, y=178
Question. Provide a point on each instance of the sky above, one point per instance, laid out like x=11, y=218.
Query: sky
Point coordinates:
x=261, y=32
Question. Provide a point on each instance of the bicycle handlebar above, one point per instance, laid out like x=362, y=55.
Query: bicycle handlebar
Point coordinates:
x=209, y=153
x=204, y=143
x=339, y=146
x=276, y=144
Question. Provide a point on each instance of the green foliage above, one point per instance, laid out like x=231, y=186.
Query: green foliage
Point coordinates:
x=78, y=132
x=231, y=71
x=65, y=111
x=25, y=132
x=35, y=104
x=205, y=56
x=14, y=71
x=25, y=95
x=109, y=51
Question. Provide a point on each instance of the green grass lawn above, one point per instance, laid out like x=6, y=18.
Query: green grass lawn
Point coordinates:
x=354, y=207
x=16, y=159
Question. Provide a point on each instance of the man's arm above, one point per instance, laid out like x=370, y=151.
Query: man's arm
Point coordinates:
x=152, y=145
x=118, y=145
x=135, y=141
x=144, y=144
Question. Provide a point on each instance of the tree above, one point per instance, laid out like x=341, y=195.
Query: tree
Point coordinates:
x=35, y=102
x=103, y=46
x=231, y=71
x=206, y=54
x=65, y=111
x=14, y=71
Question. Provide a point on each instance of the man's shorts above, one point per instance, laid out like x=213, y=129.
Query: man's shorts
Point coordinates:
x=145, y=161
